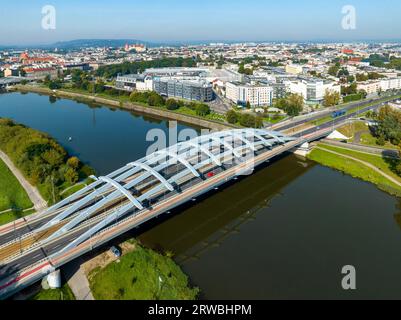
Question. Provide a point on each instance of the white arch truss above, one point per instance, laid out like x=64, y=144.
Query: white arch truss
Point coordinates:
x=178, y=157
x=156, y=174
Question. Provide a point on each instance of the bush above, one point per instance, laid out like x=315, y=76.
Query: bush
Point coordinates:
x=172, y=104
x=202, y=109
x=232, y=117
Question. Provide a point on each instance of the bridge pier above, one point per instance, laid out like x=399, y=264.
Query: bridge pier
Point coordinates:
x=303, y=150
x=52, y=280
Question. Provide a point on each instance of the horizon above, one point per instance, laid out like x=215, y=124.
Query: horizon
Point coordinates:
x=177, y=21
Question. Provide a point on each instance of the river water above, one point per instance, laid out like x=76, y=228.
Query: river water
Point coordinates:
x=283, y=233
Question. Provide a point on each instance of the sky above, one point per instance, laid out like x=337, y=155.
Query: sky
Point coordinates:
x=189, y=20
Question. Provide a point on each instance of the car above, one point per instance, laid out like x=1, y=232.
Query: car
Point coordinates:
x=114, y=250
x=210, y=174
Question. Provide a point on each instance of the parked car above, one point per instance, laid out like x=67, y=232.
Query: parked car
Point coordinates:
x=114, y=250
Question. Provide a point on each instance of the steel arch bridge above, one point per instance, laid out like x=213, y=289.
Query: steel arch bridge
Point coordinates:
x=138, y=185
x=136, y=193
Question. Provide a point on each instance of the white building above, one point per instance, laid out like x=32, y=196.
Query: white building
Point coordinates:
x=131, y=82
x=313, y=91
x=390, y=84
x=256, y=94
x=371, y=87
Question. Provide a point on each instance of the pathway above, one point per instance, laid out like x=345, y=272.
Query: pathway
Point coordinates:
x=364, y=163
x=38, y=202
x=77, y=280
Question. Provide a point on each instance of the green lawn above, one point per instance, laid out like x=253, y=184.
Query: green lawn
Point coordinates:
x=387, y=165
x=64, y=293
x=141, y=274
x=12, y=195
x=355, y=169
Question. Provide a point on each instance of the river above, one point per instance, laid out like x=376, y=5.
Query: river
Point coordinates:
x=283, y=233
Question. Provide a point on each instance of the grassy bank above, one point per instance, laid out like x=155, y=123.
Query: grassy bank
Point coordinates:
x=141, y=274
x=64, y=293
x=12, y=195
x=357, y=169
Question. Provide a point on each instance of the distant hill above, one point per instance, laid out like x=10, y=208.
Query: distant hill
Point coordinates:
x=86, y=43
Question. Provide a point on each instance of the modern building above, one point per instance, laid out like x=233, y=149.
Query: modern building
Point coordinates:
x=255, y=93
x=131, y=82
x=313, y=90
x=199, y=90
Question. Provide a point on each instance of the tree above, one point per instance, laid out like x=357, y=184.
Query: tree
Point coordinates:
x=172, y=104
x=331, y=98
x=333, y=70
x=389, y=128
x=71, y=176
x=202, y=109
x=232, y=117
x=73, y=162
x=250, y=121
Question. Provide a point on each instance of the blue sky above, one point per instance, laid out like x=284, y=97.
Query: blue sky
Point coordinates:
x=185, y=20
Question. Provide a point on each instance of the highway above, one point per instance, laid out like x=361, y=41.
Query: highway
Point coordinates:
x=362, y=105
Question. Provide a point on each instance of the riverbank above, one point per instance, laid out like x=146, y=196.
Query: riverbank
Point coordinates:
x=367, y=167
x=126, y=105
x=140, y=274
x=42, y=166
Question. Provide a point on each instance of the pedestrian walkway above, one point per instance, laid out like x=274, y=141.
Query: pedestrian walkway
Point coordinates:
x=38, y=202
x=77, y=281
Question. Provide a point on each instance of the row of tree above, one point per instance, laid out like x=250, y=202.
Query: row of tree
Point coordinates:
x=153, y=99
x=140, y=66
x=244, y=119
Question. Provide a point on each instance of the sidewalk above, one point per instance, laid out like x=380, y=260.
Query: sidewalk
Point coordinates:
x=38, y=202
x=77, y=280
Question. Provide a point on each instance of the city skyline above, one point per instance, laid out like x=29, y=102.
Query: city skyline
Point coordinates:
x=183, y=22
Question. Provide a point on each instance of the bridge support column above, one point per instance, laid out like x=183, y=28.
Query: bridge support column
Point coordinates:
x=303, y=150
x=52, y=280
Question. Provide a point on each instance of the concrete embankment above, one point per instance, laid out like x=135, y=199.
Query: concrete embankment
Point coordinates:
x=157, y=112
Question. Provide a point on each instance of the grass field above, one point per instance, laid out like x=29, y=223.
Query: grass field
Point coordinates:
x=12, y=195
x=64, y=293
x=387, y=165
x=141, y=274
x=356, y=169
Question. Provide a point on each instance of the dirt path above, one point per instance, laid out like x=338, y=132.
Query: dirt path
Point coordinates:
x=38, y=202
x=364, y=163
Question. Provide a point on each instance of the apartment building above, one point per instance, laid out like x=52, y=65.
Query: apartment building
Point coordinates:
x=294, y=69
x=256, y=94
x=374, y=86
x=198, y=90
x=371, y=87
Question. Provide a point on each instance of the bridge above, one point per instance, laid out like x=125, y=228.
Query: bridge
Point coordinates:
x=32, y=247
